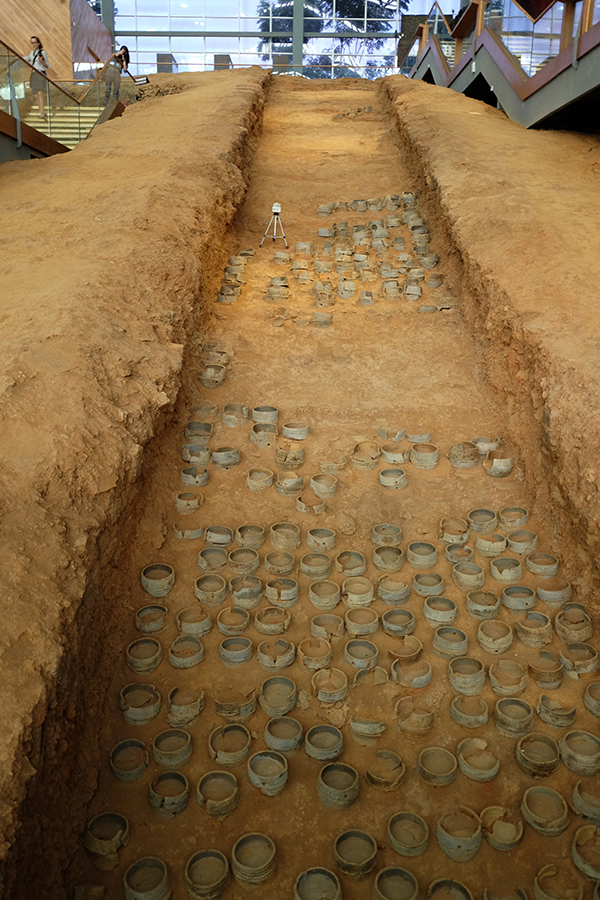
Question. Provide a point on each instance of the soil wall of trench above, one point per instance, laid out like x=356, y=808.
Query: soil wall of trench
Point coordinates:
x=106, y=251
x=114, y=252
x=516, y=211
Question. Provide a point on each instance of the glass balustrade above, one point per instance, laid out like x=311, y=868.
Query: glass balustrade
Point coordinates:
x=533, y=44
x=65, y=111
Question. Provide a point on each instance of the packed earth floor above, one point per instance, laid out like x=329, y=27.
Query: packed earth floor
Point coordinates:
x=363, y=382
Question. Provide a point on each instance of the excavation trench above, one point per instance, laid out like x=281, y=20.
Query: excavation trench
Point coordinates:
x=381, y=367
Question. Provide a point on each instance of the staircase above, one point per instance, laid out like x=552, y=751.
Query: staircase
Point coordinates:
x=67, y=126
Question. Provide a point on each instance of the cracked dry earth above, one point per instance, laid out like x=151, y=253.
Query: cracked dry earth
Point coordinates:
x=376, y=371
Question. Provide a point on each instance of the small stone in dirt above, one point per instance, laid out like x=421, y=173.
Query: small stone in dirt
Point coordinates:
x=335, y=716
x=345, y=524
x=303, y=701
x=277, y=323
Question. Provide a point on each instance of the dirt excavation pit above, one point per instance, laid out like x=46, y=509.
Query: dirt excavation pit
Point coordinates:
x=333, y=514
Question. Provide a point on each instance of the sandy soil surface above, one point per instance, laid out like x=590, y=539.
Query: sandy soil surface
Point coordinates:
x=106, y=250
x=520, y=208
x=116, y=253
x=384, y=366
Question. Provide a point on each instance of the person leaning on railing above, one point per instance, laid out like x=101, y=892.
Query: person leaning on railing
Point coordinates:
x=38, y=58
x=119, y=63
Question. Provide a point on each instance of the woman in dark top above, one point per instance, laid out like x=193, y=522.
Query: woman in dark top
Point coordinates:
x=119, y=62
x=39, y=60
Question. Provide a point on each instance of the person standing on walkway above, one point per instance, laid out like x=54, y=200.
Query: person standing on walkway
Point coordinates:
x=119, y=63
x=38, y=58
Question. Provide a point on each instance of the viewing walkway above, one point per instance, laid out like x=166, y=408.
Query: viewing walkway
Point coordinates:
x=542, y=71
x=71, y=109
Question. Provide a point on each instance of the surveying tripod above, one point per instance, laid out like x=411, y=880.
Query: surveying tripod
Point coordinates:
x=275, y=220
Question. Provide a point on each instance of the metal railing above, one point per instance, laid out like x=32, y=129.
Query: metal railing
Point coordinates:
x=66, y=111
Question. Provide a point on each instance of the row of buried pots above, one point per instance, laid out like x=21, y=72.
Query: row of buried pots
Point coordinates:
x=466, y=675
x=572, y=622
x=373, y=204
x=508, y=678
x=351, y=260
x=158, y=579
x=365, y=455
x=421, y=555
x=351, y=265
x=410, y=217
x=375, y=234
x=290, y=456
x=459, y=834
x=233, y=277
x=387, y=556
x=538, y=755
x=400, y=278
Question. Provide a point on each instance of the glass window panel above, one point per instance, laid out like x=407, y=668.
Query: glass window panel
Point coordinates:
x=222, y=8
x=194, y=57
x=152, y=24
x=221, y=45
x=221, y=24
x=126, y=8
x=319, y=46
x=247, y=25
x=382, y=10
x=248, y=45
x=131, y=42
x=147, y=58
x=494, y=15
x=248, y=8
x=192, y=8
x=349, y=26
x=352, y=9
x=551, y=22
x=412, y=54
x=125, y=23
x=436, y=22
x=151, y=7
x=184, y=53
x=187, y=25
x=282, y=26
x=596, y=13
x=387, y=47
x=161, y=44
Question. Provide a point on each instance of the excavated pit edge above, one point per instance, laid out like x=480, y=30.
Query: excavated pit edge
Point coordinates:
x=50, y=755
x=522, y=361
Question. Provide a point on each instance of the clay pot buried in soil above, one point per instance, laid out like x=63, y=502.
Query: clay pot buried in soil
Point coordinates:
x=386, y=770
